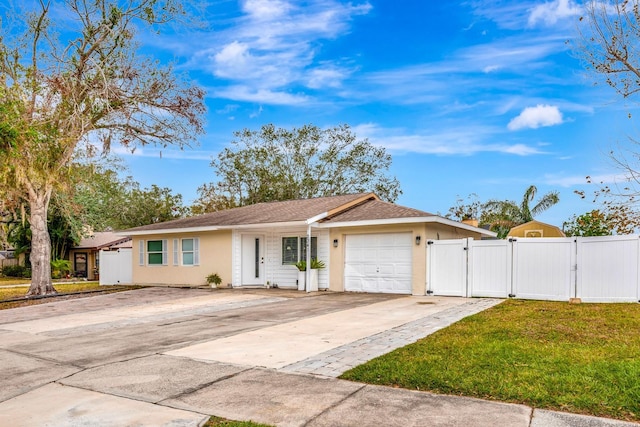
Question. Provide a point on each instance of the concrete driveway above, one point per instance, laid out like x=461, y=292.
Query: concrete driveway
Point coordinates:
x=172, y=357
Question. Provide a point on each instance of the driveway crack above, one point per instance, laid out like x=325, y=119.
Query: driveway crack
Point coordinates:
x=335, y=404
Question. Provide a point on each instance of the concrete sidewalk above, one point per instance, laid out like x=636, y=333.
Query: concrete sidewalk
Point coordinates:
x=172, y=357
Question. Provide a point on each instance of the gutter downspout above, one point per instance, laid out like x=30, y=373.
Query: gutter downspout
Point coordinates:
x=307, y=272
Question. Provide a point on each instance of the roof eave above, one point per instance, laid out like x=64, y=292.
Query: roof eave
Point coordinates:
x=463, y=226
x=166, y=231
x=408, y=220
x=212, y=228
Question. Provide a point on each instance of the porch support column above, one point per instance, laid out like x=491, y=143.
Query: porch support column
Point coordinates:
x=307, y=272
x=309, y=222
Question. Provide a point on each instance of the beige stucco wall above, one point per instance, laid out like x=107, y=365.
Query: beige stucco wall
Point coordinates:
x=427, y=231
x=215, y=257
x=442, y=232
x=91, y=261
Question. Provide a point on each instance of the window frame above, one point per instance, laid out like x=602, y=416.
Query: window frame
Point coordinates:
x=194, y=252
x=290, y=257
x=314, y=248
x=300, y=251
x=162, y=252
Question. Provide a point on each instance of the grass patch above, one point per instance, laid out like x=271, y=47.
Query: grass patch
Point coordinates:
x=221, y=422
x=13, y=281
x=64, y=289
x=581, y=358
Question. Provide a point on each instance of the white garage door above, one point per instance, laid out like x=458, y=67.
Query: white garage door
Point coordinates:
x=378, y=263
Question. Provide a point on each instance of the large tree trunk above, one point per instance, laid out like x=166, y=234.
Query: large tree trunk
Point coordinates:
x=40, y=245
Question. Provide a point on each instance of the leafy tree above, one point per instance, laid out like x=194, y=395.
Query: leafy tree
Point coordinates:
x=98, y=201
x=152, y=205
x=83, y=81
x=594, y=223
x=19, y=236
x=472, y=209
x=503, y=215
x=279, y=164
x=65, y=230
x=211, y=198
x=108, y=202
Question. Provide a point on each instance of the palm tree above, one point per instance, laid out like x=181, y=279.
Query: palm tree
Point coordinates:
x=503, y=215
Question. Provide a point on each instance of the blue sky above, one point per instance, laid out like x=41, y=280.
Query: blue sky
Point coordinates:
x=471, y=96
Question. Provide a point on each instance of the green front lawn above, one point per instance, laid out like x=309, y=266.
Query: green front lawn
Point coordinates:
x=581, y=358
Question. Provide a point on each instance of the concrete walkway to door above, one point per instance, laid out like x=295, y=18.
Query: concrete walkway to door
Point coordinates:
x=172, y=357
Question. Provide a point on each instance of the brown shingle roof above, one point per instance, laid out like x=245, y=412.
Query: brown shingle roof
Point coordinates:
x=260, y=213
x=376, y=209
x=101, y=240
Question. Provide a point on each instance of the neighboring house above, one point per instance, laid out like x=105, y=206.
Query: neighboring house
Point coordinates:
x=8, y=258
x=367, y=245
x=535, y=229
x=85, y=257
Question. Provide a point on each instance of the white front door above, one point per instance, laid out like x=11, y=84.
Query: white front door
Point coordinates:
x=379, y=263
x=252, y=259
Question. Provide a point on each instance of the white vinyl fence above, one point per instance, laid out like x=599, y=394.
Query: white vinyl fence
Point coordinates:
x=595, y=269
x=116, y=267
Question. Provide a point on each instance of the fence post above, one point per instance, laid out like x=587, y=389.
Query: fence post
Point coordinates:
x=512, y=241
x=429, y=291
x=469, y=264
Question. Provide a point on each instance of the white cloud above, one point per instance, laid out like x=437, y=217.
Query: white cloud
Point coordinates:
x=508, y=15
x=261, y=96
x=326, y=77
x=273, y=45
x=470, y=141
x=551, y=12
x=256, y=113
x=234, y=58
x=535, y=117
x=229, y=108
x=266, y=9
x=491, y=68
x=437, y=82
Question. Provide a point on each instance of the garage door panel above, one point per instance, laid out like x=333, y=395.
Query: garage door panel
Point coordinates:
x=378, y=263
x=403, y=239
x=398, y=286
x=385, y=253
x=369, y=269
x=386, y=270
x=386, y=240
x=385, y=285
x=403, y=269
x=354, y=284
x=404, y=252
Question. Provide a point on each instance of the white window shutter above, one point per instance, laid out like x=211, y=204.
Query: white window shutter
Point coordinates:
x=196, y=251
x=141, y=252
x=164, y=252
x=176, y=252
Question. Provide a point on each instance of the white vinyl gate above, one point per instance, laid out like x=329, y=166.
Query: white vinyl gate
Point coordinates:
x=542, y=268
x=595, y=269
x=608, y=269
x=447, y=267
x=116, y=267
x=490, y=268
